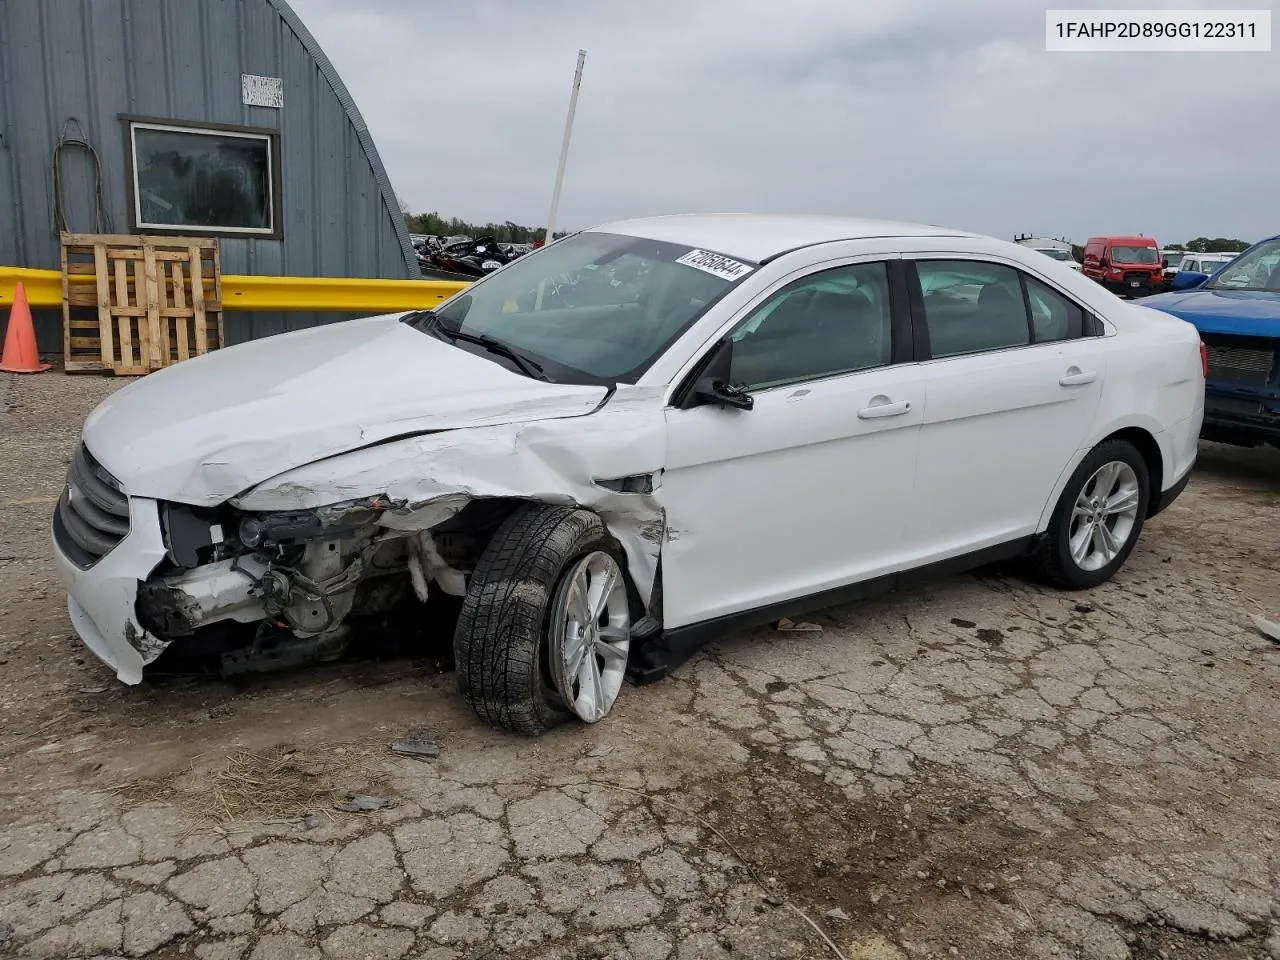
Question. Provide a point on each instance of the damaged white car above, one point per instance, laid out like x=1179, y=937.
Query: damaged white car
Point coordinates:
x=627, y=443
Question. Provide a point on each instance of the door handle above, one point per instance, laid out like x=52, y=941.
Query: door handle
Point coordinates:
x=1075, y=377
x=882, y=406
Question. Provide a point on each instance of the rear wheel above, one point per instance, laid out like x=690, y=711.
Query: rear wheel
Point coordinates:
x=545, y=628
x=1096, y=523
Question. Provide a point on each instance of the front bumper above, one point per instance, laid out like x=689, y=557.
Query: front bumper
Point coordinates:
x=101, y=600
x=1133, y=287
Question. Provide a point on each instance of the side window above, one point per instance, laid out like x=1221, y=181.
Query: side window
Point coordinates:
x=970, y=306
x=829, y=323
x=1053, y=316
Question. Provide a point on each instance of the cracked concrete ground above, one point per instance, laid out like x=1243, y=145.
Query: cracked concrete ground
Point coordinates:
x=982, y=768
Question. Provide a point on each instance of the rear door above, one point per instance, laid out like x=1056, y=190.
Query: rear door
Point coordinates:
x=1013, y=380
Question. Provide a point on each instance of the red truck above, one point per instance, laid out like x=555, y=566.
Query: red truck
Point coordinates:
x=1127, y=265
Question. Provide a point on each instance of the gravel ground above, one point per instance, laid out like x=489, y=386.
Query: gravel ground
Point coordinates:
x=982, y=768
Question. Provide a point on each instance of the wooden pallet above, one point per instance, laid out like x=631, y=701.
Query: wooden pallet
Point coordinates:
x=132, y=304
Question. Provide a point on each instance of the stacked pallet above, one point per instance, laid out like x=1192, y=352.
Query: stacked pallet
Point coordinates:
x=132, y=304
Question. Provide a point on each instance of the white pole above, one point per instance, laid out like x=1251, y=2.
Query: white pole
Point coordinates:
x=564, y=148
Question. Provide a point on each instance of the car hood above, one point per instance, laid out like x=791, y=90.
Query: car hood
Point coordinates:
x=1249, y=313
x=208, y=428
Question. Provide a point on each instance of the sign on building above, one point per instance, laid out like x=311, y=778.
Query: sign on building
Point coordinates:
x=261, y=91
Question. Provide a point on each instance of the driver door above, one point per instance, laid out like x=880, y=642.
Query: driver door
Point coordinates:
x=808, y=490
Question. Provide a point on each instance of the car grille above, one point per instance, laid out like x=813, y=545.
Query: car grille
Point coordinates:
x=1142, y=276
x=1250, y=365
x=92, y=515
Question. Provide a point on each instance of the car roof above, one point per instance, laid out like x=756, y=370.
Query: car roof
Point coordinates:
x=1120, y=238
x=757, y=237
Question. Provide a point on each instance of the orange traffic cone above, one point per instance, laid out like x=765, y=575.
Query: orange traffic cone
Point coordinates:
x=20, y=354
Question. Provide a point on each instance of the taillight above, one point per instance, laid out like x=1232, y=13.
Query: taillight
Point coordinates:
x=1204, y=360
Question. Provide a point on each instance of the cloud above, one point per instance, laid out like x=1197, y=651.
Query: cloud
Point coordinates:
x=929, y=110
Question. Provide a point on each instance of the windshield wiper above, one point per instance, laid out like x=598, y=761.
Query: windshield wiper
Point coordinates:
x=529, y=367
x=425, y=318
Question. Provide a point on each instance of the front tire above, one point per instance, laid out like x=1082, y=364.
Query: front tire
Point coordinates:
x=1096, y=523
x=544, y=630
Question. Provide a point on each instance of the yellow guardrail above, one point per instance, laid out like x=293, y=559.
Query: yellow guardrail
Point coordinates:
x=340, y=294
x=333, y=293
x=44, y=287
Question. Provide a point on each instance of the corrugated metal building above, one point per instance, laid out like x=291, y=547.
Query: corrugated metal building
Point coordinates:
x=169, y=96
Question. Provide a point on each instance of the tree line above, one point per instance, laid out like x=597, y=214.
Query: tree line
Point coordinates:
x=434, y=225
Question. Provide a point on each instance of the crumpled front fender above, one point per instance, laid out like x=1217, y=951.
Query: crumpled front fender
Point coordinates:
x=582, y=461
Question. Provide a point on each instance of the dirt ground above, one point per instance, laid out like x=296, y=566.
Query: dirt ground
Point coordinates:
x=982, y=768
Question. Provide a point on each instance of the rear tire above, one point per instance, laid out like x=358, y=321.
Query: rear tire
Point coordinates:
x=1098, y=519
x=501, y=642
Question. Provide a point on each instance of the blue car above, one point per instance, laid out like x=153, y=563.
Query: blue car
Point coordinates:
x=1237, y=311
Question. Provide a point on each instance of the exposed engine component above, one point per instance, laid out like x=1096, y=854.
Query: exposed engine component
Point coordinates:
x=432, y=565
x=305, y=575
x=177, y=604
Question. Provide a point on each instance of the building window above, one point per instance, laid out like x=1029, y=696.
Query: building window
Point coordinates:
x=208, y=179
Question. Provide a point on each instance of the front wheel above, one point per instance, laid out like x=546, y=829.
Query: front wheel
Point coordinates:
x=545, y=628
x=1097, y=520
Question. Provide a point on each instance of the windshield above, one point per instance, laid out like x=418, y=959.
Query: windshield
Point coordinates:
x=1057, y=254
x=1121, y=254
x=595, y=307
x=1258, y=269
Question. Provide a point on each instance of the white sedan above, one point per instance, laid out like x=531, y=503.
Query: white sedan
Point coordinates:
x=627, y=443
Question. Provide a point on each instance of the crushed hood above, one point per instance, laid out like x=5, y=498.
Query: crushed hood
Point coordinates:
x=205, y=429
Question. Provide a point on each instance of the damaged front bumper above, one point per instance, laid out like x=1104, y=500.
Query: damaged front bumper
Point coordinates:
x=102, y=597
x=306, y=549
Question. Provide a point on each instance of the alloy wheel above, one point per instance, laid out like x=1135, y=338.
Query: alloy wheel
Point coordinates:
x=1104, y=515
x=590, y=636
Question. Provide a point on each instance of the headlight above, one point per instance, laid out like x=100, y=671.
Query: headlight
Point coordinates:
x=252, y=530
x=490, y=265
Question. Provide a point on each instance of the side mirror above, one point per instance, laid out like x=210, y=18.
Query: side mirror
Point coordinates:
x=1164, y=262
x=713, y=386
x=1188, y=279
x=710, y=390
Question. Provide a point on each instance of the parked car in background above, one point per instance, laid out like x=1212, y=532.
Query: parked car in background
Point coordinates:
x=1131, y=266
x=1051, y=247
x=1237, y=311
x=571, y=444
x=472, y=258
x=1062, y=256
x=1195, y=268
x=1170, y=259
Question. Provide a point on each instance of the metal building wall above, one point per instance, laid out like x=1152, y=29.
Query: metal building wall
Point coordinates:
x=182, y=59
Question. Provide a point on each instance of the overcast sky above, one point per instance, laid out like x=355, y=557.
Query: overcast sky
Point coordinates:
x=943, y=111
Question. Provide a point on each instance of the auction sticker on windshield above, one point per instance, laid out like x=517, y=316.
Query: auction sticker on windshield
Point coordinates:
x=715, y=264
